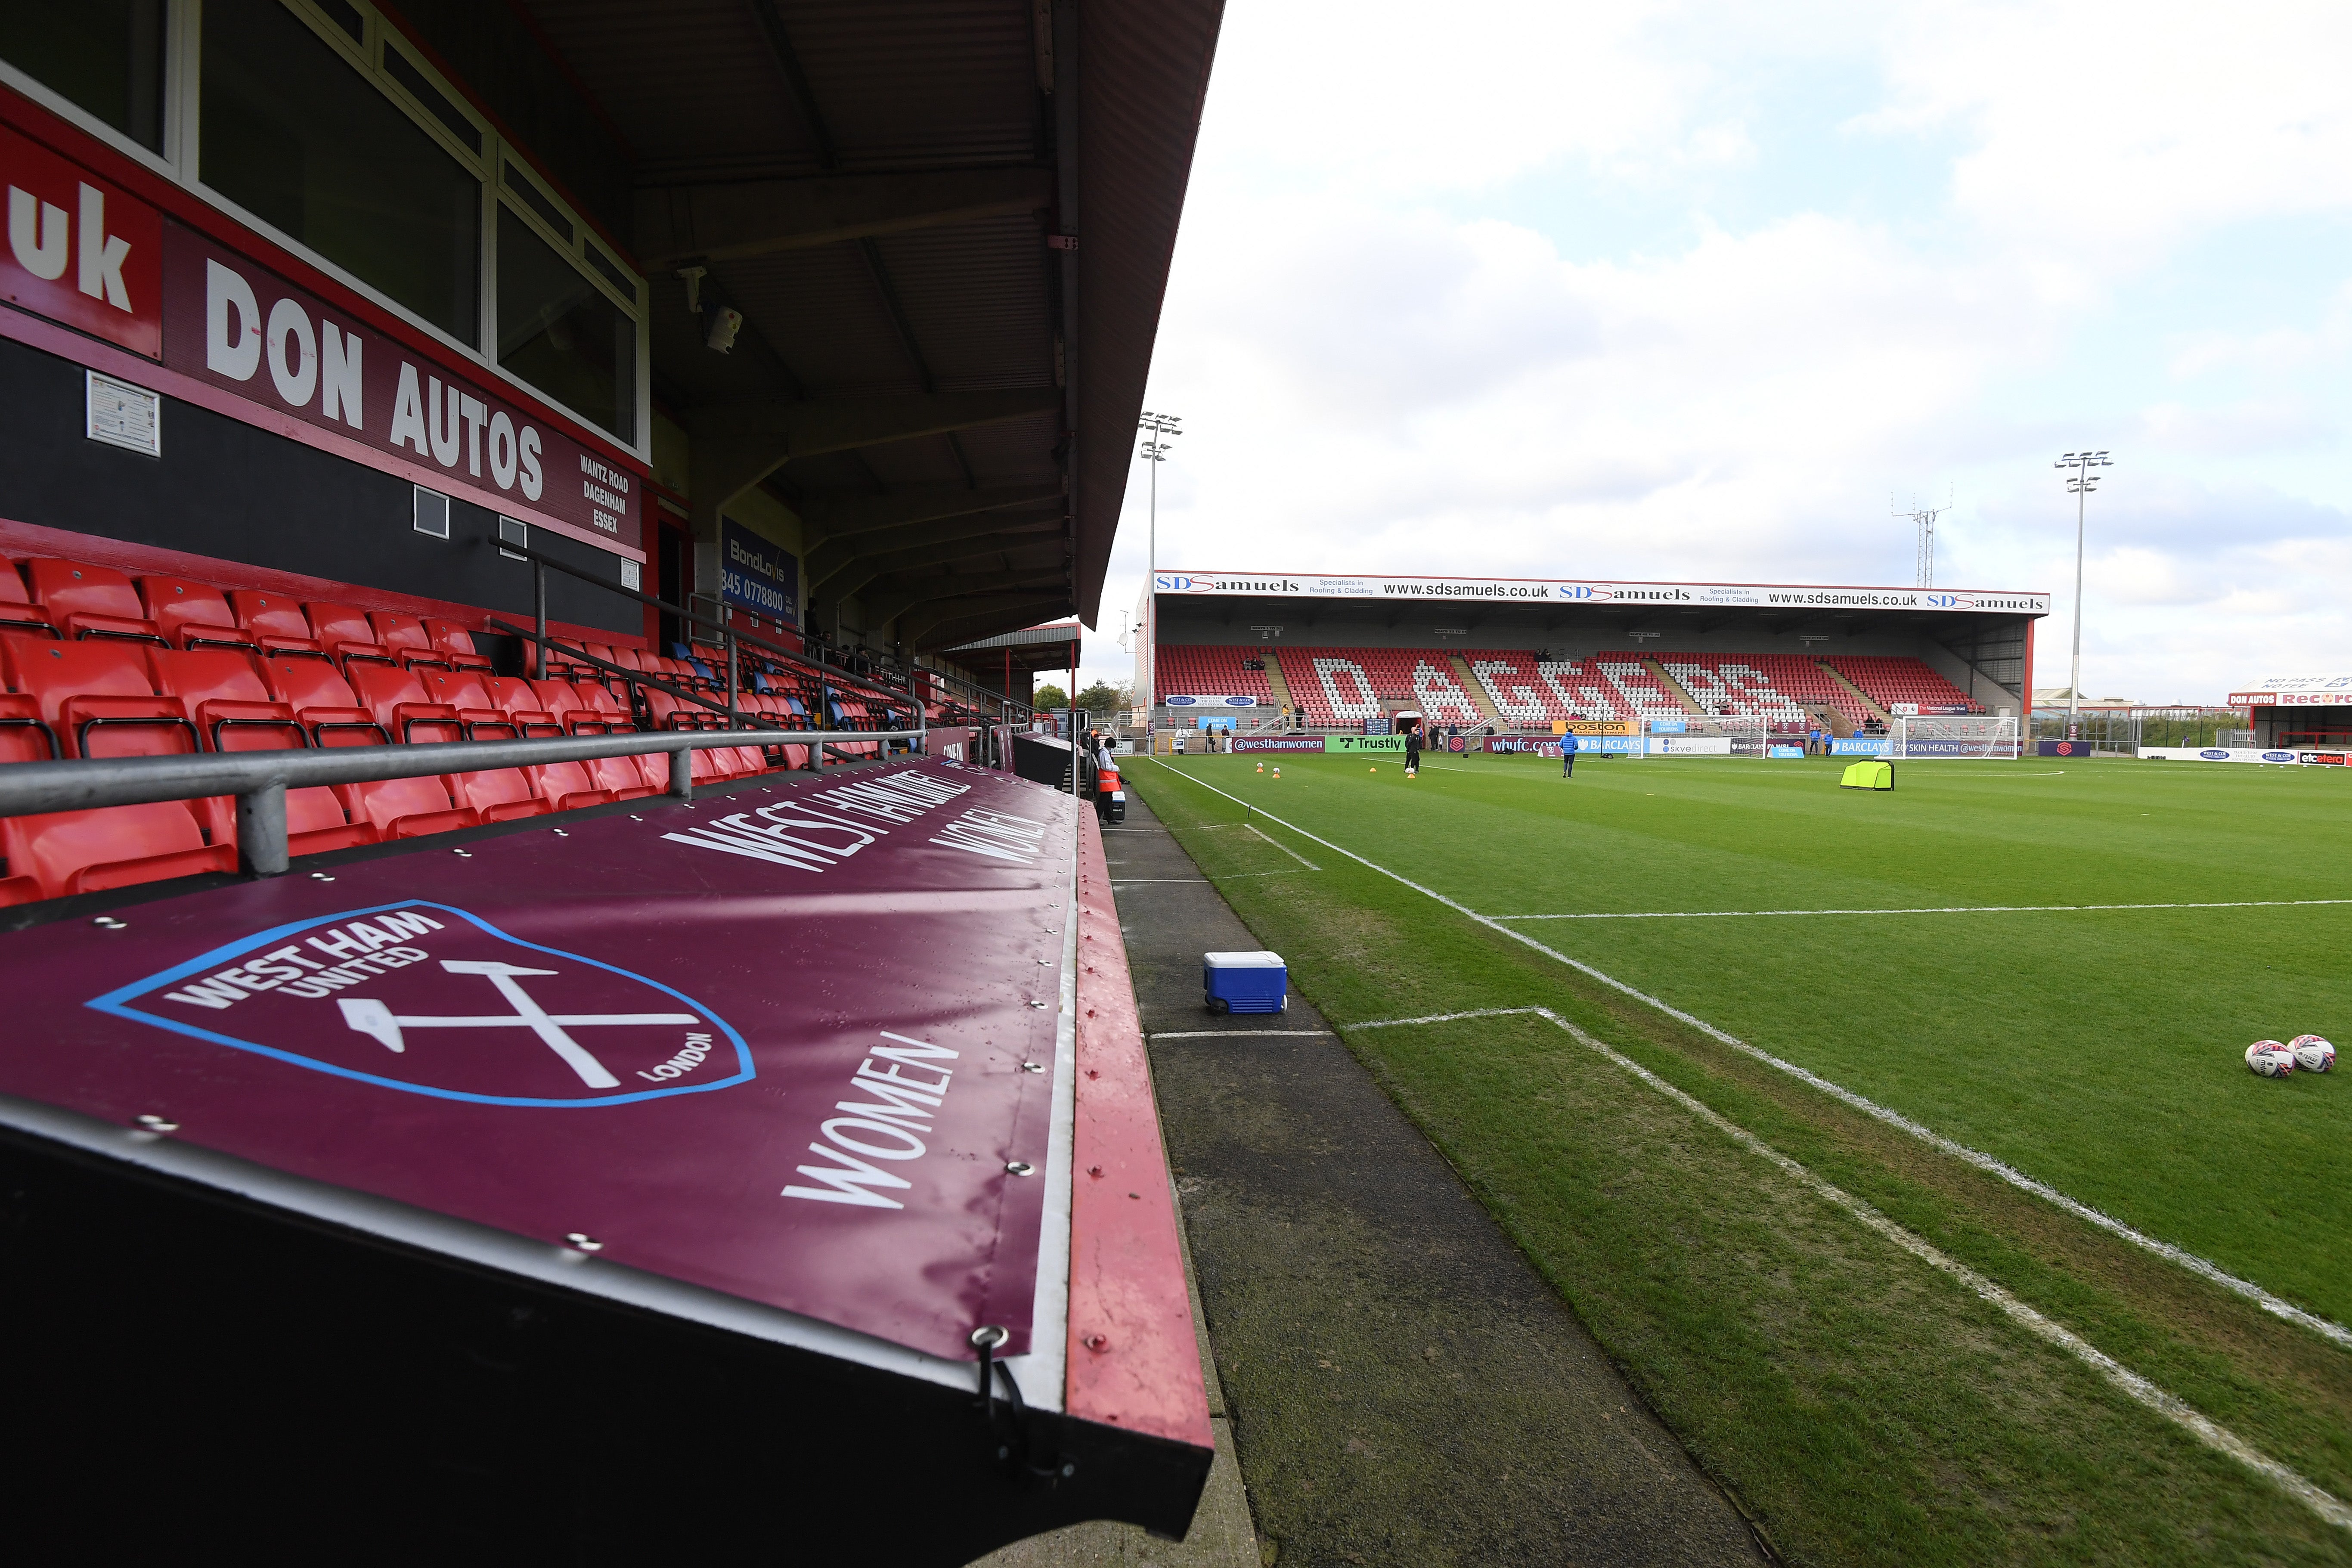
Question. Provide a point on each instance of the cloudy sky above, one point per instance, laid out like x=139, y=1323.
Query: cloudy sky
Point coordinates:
x=1702, y=290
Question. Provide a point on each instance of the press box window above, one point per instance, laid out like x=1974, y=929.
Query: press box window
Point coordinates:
x=292, y=132
x=430, y=511
x=560, y=332
x=105, y=57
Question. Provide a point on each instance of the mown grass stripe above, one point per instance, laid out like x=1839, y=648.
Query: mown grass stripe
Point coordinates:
x=2203, y=1267
x=1942, y=909
x=2172, y=1408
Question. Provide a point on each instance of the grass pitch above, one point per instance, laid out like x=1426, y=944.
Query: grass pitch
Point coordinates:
x=1866, y=1408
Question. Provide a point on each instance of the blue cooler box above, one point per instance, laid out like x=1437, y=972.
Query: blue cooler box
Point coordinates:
x=1244, y=981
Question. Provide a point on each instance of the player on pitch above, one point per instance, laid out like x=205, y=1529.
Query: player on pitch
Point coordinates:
x=1568, y=753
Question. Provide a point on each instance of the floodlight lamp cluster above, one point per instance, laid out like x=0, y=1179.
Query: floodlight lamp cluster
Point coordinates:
x=2083, y=481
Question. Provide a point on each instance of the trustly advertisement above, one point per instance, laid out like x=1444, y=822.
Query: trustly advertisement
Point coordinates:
x=1363, y=744
x=1573, y=591
x=728, y=1085
x=758, y=574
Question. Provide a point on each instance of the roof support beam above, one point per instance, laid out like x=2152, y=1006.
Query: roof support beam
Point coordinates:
x=737, y=445
x=724, y=221
x=896, y=596
x=839, y=516
x=852, y=579
x=954, y=621
x=839, y=555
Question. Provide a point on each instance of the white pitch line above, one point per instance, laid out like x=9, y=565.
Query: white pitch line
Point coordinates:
x=1948, y=910
x=2212, y=1272
x=2171, y=1406
x=1278, y=844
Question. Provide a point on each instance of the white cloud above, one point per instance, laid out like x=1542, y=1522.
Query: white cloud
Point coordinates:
x=1388, y=359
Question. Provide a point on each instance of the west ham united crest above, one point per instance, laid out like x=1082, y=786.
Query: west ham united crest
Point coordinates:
x=432, y=1000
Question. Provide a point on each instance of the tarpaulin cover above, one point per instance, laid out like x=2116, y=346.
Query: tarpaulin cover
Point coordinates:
x=783, y=1044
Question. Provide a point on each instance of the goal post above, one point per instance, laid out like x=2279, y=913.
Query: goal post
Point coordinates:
x=1958, y=737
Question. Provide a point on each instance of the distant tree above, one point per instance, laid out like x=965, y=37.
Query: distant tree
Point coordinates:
x=1049, y=695
x=1104, y=700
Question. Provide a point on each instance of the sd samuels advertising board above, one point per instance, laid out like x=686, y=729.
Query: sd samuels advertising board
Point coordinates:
x=241, y=339
x=1567, y=590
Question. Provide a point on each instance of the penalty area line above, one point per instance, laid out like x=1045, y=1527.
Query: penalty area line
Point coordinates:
x=2213, y=1273
x=2169, y=1405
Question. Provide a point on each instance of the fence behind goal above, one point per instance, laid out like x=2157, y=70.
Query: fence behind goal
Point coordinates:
x=1964, y=737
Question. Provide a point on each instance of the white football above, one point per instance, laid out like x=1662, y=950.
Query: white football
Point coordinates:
x=2269, y=1058
x=2313, y=1054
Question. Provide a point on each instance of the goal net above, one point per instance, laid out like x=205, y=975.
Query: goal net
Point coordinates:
x=1966, y=737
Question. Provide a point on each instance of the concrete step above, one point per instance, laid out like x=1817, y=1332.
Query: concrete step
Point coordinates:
x=1674, y=688
x=1477, y=690
x=1864, y=697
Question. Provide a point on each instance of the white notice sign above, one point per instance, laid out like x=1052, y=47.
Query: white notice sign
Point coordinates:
x=121, y=415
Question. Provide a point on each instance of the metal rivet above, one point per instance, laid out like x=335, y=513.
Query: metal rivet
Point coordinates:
x=108, y=922
x=1096, y=1342
x=1033, y=1067
x=1020, y=1168
x=988, y=1336
x=320, y=877
x=583, y=1242
x=159, y=1124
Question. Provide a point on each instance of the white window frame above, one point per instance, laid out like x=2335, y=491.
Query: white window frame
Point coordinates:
x=180, y=160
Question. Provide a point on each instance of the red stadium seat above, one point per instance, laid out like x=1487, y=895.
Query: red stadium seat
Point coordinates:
x=190, y=614
x=495, y=794
x=89, y=600
x=223, y=692
x=324, y=701
x=478, y=710
x=17, y=611
x=98, y=697
x=61, y=852
x=514, y=698
x=407, y=637
x=566, y=786
x=399, y=703
x=274, y=621
x=406, y=808
x=25, y=735
x=458, y=643
x=344, y=632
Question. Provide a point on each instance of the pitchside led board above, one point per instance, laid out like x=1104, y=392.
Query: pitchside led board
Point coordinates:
x=758, y=575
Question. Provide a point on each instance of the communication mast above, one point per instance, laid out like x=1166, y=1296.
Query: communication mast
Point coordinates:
x=1924, y=518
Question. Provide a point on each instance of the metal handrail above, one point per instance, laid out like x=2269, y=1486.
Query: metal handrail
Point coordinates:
x=259, y=780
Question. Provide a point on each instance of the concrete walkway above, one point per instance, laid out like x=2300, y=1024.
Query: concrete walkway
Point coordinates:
x=1401, y=1384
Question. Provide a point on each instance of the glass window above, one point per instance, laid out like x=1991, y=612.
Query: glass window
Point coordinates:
x=103, y=56
x=558, y=331
x=292, y=133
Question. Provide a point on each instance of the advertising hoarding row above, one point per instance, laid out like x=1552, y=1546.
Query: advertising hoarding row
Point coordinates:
x=1574, y=591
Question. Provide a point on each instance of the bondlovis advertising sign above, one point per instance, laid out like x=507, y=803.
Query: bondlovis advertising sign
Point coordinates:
x=758, y=574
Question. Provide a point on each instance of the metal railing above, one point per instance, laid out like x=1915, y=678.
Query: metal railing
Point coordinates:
x=259, y=780
x=729, y=635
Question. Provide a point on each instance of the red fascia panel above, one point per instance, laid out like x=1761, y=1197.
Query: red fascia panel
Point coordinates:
x=176, y=201
x=1133, y=1361
x=22, y=539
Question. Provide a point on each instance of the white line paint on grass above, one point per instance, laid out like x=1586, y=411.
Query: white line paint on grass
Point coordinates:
x=1286, y=848
x=1950, y=910
x=2204, y=1270
x=2172, y=1408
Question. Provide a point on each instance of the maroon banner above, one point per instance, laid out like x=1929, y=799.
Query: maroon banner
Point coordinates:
x=80, y=250
x=240, y=327
x=1540, y=748
x=1279, y=743
x=799, y=1046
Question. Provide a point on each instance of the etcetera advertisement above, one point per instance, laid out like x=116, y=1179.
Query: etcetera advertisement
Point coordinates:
x=1572, y=591
x=90, y=256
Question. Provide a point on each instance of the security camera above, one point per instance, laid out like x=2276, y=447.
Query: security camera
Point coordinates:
x=725, y=322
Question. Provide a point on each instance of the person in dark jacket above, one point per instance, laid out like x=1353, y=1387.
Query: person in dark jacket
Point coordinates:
x=1412, y=750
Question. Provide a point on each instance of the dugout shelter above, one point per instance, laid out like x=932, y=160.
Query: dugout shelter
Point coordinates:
x=592, y=1059
x=2299, y=713
x=1525, y=655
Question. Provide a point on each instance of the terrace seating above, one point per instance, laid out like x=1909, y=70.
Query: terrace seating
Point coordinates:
x=1342, y=686
x=1188, y=671
x=1734, y=688
x=1888, y=679
x=1608, y=687
x=97, y=664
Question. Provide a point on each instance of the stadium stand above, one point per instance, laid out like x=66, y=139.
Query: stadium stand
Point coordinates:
x=1341, y=686
x=1211, y=672
x=99, y=664
x=1887, y=681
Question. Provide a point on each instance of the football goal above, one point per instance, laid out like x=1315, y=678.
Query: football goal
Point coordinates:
x=1969, y=737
